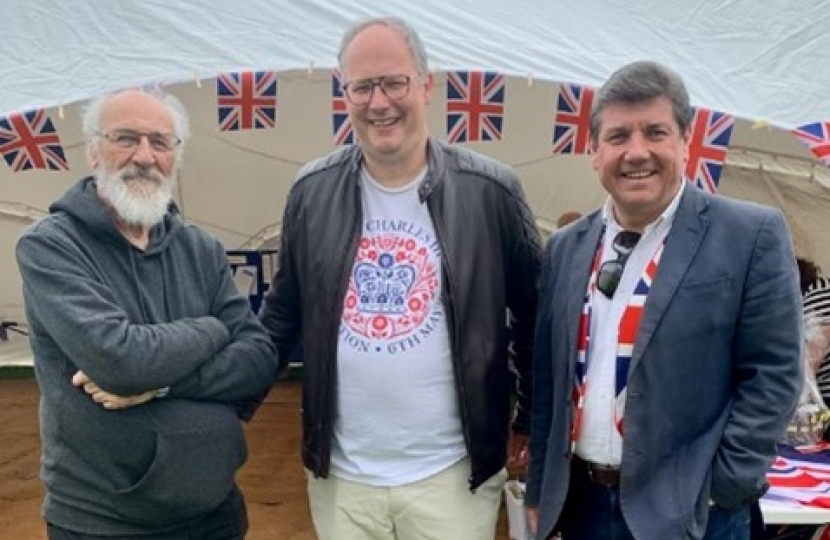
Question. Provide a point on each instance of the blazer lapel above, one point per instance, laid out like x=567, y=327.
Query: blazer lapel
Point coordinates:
x=586, y=242
x=682, y=244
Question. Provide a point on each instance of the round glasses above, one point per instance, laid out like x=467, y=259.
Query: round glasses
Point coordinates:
x=611, y=271
x=360, y=92
x=129, y=139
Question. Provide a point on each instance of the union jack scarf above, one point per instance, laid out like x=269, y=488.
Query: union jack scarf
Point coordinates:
x=629, y=325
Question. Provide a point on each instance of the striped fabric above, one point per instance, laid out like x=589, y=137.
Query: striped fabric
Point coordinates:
x=582, y=350
x=629, y=326
x=817, y=304
x=801, y=475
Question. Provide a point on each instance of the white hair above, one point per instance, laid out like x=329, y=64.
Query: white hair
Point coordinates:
x=91, y=117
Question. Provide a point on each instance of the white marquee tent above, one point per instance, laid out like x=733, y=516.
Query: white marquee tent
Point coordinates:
x=764, y=62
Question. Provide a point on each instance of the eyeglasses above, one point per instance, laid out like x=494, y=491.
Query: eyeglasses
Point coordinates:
x=129, y=139
x=394, y=87
x=608, y=278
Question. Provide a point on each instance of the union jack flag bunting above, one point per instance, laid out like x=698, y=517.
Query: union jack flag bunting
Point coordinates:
x=708, y=142
x=572, y=124
x=342, y=126
x=29, y=141
x=475, y=106
x=246, y=100
x=817, y=138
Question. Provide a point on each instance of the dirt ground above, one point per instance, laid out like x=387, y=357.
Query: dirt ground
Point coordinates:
x=272, y=480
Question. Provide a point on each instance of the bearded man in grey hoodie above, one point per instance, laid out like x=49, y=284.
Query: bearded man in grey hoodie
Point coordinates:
x=146, y=355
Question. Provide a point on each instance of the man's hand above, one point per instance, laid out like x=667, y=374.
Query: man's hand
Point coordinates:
x=532, y=520
x=517, y=451
x=106, y=399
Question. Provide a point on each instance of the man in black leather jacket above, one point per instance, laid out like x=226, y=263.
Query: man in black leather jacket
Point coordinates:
x=406, y=282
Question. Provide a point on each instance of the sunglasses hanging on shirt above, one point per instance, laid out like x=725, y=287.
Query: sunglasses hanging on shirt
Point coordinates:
x=611, y=270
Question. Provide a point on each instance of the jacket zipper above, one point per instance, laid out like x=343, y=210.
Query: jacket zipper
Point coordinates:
x=454, y=333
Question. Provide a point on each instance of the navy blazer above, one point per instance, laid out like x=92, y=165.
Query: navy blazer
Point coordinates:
x=715, y=373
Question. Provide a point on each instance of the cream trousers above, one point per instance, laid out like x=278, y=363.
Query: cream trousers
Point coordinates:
x=440, y=507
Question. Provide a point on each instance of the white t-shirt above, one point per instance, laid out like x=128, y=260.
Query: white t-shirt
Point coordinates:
x=397, y=417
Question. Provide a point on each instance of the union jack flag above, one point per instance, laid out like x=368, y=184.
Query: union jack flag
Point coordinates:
x=246, y=100
x=800, y=476
x=475, y=106
x=343, y=132
x=572, y=125
x=708, y=142
x=29, y=141
x=817, y=138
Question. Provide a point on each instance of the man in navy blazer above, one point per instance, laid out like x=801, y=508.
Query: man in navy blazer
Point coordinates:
x=668, y=340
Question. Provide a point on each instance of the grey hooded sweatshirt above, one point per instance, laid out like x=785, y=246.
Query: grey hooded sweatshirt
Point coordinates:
x=132, y=320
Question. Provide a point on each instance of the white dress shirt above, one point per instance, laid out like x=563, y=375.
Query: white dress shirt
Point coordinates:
x=599, y=441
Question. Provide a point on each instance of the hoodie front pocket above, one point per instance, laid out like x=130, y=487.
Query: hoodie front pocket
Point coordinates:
x=192, y=473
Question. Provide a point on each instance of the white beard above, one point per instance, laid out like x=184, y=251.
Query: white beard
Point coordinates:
x=139, y=195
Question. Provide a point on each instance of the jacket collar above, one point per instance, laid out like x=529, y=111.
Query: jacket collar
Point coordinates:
x=436, y=166
x=682, y=245
x=587, y=233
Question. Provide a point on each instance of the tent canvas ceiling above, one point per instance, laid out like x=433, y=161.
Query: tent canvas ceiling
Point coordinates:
x=759, y=61
x=754, y=59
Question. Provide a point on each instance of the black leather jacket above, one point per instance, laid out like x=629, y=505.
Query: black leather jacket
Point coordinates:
x=490, y=255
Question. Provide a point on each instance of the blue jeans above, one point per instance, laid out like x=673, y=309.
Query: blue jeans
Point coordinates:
x=731, y=524
x=228, y=522
x=592, y=512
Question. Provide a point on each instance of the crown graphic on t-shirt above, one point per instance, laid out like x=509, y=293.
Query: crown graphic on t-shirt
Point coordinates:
x=383, y=287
